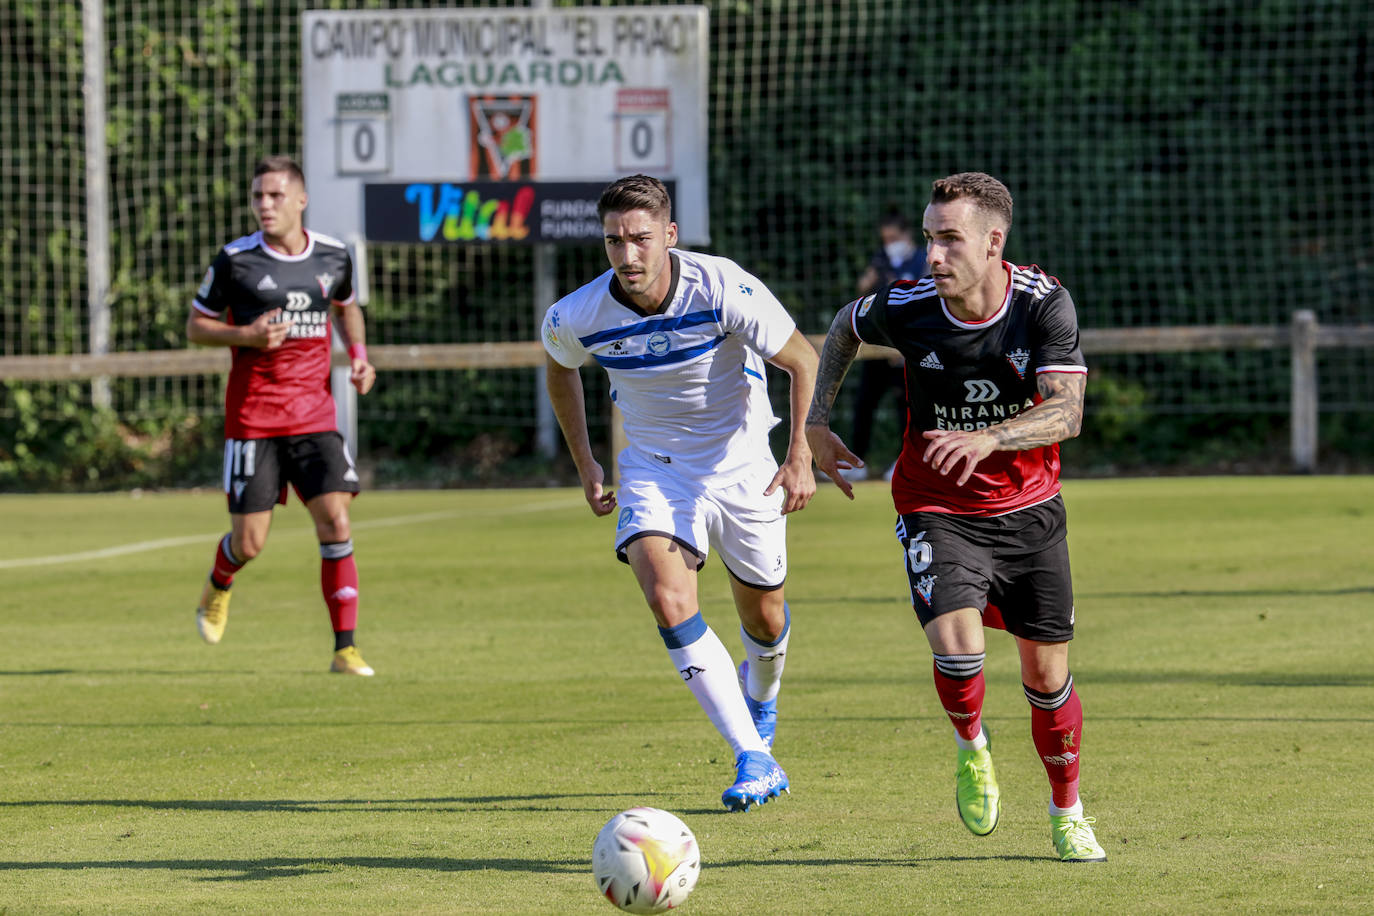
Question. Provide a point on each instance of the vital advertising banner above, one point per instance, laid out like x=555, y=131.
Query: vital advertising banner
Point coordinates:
x=506, y=212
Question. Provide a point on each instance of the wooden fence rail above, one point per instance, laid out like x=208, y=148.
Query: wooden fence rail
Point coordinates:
x=1303, y=337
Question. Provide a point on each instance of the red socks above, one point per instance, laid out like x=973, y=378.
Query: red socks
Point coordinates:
x=959, y=682
x=1057, y=728
x=226, y=564
x=339, y=582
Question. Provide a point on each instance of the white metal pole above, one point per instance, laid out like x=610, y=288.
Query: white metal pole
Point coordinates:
x=1303, y=343
x=97, y=190
x=345, y=395
x=545, y=292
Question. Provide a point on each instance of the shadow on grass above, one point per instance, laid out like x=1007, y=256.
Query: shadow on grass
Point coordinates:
x=1233, y=593
x=1283, y=679
x=386, y=805
x=41, y=671
x=202, y=672
x=267, y=869
x=898, y=598
x=895, y=598
x=913, y=862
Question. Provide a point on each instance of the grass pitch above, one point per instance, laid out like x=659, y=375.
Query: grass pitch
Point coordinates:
x=523, y=697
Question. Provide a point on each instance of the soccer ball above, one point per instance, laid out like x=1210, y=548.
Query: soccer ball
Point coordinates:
x=645, y=860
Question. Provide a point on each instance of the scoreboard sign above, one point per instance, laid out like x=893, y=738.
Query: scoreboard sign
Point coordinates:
x=363, y=135
x=410, y=116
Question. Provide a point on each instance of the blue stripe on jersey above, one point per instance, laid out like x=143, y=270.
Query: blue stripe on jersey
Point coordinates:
x=691, y=319
x=667, y=359
x=748, y=371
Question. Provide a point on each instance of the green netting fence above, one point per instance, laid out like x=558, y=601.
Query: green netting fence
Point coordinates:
x=1174, y=163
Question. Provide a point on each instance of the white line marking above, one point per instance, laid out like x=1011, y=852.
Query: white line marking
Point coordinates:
x=138, y=547
x=120, y=550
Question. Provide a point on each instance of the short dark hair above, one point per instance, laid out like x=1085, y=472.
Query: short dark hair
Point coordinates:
x=989, y=194
x=635, y=192
x=893, y=218
x=279, y=164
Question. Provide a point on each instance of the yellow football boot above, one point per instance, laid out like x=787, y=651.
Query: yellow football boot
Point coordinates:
x=348, y=661
x=212, y=616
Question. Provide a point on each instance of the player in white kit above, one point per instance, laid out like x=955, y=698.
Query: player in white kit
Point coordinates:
x=684, y=338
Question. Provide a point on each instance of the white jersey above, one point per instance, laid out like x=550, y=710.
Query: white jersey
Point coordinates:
x=689, y=380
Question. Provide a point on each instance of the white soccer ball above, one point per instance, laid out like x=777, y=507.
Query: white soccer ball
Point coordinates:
x=645, y=860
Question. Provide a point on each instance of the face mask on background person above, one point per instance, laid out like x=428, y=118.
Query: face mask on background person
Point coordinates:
x=898, y=251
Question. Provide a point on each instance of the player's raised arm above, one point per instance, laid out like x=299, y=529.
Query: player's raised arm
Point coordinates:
x=798, y=359
x=831, y=454
x=569, y=406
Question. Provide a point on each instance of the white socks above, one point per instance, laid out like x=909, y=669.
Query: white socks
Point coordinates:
x=976, y=744
x=766, y=661
x=709, y=672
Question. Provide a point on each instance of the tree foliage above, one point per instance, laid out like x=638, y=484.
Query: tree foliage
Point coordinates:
x=1173, y=162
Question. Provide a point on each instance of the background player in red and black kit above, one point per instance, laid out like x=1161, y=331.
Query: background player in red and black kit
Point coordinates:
x=995, y=380
x=270, y=296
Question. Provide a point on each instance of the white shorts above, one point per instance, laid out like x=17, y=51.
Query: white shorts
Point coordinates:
x=747, y=528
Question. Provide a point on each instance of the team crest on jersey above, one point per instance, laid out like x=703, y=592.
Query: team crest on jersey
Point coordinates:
x=925, y=587
x=658, y=343
x=626, y=515
x=1019, y=359
x=205, y=284
x=326, y=282
x=865, y=304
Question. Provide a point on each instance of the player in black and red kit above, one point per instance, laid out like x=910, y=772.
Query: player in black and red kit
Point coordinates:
x=270, y=297
x=995, y=379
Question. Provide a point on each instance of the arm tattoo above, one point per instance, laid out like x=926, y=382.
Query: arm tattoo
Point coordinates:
x=1057, y=417
x=841, y=346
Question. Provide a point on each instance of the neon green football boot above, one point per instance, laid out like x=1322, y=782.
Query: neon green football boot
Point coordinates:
x=1074, y=839
x=976, y=790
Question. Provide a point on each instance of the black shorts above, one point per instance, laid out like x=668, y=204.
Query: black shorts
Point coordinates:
x=257, y=471
x=1018, y=561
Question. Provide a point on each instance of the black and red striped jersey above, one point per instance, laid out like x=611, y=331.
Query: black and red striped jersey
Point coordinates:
x=283, y=391
x=970, y=375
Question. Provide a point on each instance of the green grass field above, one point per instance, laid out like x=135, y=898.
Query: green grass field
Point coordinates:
x=1225, y=657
